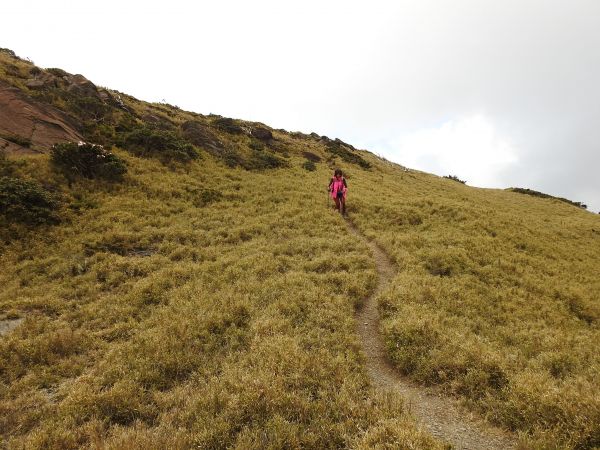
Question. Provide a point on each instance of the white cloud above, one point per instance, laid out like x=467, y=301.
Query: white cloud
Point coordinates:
x=469, y=148
x=390, y=76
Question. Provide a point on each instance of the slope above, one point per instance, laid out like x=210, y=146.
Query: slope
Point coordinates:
x=206, y=298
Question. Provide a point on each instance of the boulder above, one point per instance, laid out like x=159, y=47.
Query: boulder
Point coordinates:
x=201, y=135
x=43, y=80
x=228, y=125
x=81, y=86
x=23, y=119
x=158, y=121
x=261, y=133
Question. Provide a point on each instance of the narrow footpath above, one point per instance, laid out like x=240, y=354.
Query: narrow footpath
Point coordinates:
x=442, y=416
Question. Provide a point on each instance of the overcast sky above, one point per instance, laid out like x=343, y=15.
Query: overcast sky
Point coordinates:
x=499, y=93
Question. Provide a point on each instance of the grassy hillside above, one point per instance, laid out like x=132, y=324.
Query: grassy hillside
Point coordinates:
x=206, y=297
x=497, y=299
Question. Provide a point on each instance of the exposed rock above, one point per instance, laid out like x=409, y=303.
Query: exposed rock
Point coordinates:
x=262, y=133
x=38, y=124
x=43, y=81
x=158, y=121
x=228, y=125
x=80, y=85
x=311, y=156
x=201, y=135
x=340, y=142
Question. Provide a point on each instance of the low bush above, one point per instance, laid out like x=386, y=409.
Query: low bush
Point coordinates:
x=153, y=143
x=262, y=160
x=256, y=145
x=7, y=167
x=87, y=160
x=311, y=156
x=542, y=195
x=338, y=148
x=309, y=165
x=206, y=197
x=57, y=72
x=455, y=178
x=26, y=202
x=228, y=125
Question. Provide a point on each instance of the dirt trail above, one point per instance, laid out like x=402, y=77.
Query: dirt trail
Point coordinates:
x=442, y=416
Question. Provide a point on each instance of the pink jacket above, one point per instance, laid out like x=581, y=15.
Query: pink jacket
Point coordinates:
x=338, y=185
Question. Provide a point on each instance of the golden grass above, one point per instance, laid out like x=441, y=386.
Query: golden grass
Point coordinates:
x=153, y=323
x=496, y=299
x=201, y=306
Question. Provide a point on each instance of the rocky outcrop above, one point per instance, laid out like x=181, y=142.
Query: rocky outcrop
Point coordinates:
x=81, y=86
x=27, y=125
x=262, y=133
x=43, y=80
x=201, y=135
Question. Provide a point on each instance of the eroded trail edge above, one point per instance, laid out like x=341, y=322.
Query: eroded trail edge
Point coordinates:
x=442, y=416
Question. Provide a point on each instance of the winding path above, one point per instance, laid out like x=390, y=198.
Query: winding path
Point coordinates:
x=442, y=416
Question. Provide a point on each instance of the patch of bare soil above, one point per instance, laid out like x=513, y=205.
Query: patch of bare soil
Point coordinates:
x=6, y=326
x=442, y=416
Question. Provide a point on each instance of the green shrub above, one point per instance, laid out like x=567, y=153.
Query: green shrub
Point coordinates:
x=165, y=145
x=26, y=202
x=455, y=178
x=228, y=125
x=256, y=145
x=310, y=166
x=7, y=167
x=16, y=139
x=261, y=160
x=311, y=156
x=345, y=152
x=87, y=160
x=57, y=72
x=542, y=195
x=206, y=196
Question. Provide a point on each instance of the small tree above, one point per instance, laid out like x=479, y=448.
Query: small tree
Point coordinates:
x=26, y=202
x=455, y=178
x=88, y=161
x=151, y=142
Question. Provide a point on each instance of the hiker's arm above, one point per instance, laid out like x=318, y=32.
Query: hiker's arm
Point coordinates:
x=345, y=184
x=330, y=183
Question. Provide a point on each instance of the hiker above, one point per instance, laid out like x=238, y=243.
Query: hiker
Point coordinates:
x=338, y=188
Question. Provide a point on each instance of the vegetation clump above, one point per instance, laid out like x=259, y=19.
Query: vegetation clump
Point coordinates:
x=260, y=160
x=310, y=156
x=228, y=125
x=82, y=159
x=455, y=178
x=57, y=72
x=26, y=202
x=165, y=145
x=542, y=195
x=7, y=167
x=345, y=152
x=16, y=139
x=309, y=165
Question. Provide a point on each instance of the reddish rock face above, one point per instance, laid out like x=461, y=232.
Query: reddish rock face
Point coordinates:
x=29, y=120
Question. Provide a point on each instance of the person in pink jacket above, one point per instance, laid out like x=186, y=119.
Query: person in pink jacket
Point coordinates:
x=338, y=188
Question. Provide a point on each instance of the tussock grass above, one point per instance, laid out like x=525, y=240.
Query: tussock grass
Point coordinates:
x=193, y=307
x=496, y=300
x=209, y=303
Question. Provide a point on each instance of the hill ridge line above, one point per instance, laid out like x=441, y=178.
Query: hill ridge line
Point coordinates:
x=440, y=415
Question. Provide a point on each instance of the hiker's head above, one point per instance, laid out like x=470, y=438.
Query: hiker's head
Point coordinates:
x=337, y=173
